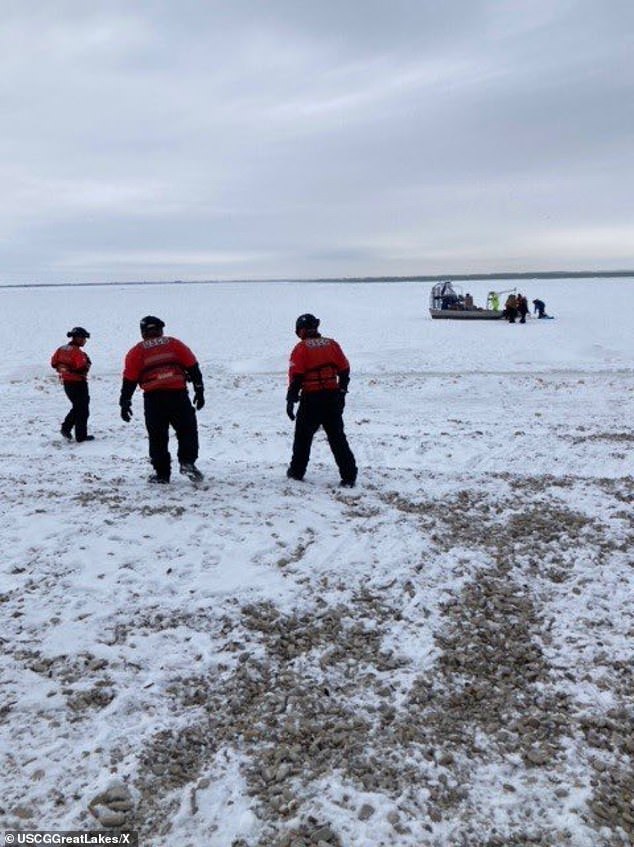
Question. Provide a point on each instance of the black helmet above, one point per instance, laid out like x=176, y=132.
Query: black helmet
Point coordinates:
x=306, y=321
x=78, y=332
x=150, y=322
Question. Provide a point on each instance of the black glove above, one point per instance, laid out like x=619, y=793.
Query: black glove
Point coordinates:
x=125, y=399
x=199, y=397
x=292, y=396
x=342, y=400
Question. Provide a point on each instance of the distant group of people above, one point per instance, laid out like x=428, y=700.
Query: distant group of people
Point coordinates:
x=516, y=306
x=458, y=302
x=318, y=379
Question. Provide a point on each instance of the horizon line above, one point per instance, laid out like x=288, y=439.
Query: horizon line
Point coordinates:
x=506, y=275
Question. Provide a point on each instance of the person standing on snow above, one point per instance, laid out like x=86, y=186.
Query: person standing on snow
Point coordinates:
x=72, y=364
x=162, y=366
x=522, y=307
x=539, y=308
x=318, y=378
x=510, y=308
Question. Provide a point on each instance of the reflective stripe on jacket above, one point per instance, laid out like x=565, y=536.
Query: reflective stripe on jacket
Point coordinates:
x=318, y=363
x=71, y=363
x=159, y=364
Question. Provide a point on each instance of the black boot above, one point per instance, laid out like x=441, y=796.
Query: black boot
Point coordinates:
x=190, y=470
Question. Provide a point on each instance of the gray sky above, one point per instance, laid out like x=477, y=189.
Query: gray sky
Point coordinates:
x=312, y=138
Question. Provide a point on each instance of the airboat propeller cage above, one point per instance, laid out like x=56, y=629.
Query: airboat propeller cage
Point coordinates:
x=442, y=293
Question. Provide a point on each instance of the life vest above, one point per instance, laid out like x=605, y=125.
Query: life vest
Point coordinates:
x=71, y=363
x=159, y=364
x=318, y=362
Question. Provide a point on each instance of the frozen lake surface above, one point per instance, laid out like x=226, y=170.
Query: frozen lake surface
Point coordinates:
x=440, y=657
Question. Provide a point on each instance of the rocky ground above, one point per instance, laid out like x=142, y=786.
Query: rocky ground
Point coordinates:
x=318, y=693
x=452, y=667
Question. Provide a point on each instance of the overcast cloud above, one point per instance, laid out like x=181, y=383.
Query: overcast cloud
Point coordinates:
x=314, y=138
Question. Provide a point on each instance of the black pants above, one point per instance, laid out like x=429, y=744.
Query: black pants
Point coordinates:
x=77, y=393
x=162, y=410
x=321, y=408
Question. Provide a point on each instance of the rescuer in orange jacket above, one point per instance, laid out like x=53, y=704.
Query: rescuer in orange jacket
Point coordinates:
x=162, y=366
x=318, y=378
x=72, y=364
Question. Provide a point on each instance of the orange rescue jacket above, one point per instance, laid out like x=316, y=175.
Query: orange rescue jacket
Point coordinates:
x=159, y=364
x=71, y=363
x=317, y=363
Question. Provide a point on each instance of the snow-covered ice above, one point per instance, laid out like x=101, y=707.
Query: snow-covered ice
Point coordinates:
x=442, y=656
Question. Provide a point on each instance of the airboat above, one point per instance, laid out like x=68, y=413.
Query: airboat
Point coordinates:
x=447, y=301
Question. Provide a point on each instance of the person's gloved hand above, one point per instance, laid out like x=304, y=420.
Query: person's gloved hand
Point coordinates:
x=126, y=412
x=342, y=400
x=199, y=397
x=290, y=409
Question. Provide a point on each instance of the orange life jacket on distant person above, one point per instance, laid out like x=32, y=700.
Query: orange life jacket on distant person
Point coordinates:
x=317, y=362
x=71, y=363
x=159, y=364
